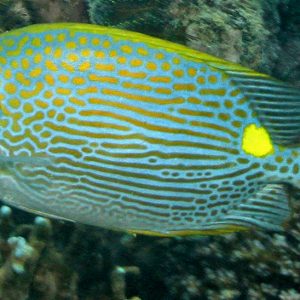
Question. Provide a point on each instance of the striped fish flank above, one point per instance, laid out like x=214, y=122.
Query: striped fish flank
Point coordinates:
x=124, y=131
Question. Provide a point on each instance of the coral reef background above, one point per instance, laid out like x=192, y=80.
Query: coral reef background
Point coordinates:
x=54, y=260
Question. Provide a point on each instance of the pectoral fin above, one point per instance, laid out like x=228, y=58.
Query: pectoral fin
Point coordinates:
x=269, y=209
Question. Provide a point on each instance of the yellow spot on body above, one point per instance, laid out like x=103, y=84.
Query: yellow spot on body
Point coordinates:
x=237, y=124
x=48, y=50
x=113, y=53
x=36, y=42
x=178, y=73
x=224, y=117
x=71, y=45
x=240, y=113
x=70, y=110
x=60, y=117
x=142, y=51
x=22, y=79
x=63, y=78
x=48, y=94
x=95, y=42
x=51, y=66
x=37, y=89
x=126, y=49
x=58, y=102
x=194, y=100
x=164, y=91
x=242, y=100
x=192, y=72
x=25, y=63
x=14, y=103
x=37, y=116
x=51, y=113
x=5, y=110
x=106, y=79
x=213, y=92
x=45, y=134
x=166, y=66
x=29, y=51
x=49, y=38
x=106, y=44
x=228, y=104
x=151, y=66
x=14, y=64
x=35, y=72
x=122, y=60
x=37, y=59
x=160, y=79
x=41, y=103
x=78, y=80
x=256, y=141
x=176, y=61
x=105, y=67
x=16, y=127
x=72, y=57
x=201, y=79
x=142, y=87
x=27, y=108
x=84, y=66
x=82, y=40
x=3, y=60
x=68, y=67
x=88, y=90
x=3, y=123
x=234, y=93
x=85, y=52
x=37, y=127
x=136, y=62
x=184, y=87
x=9, y=43
x=57, y=53
x=214, y=104
x=10, y=88
x=63, y=91
x=77, y=101
x=126, y=73
x=159, y=55
x=7, y=74
x=99, y=54
x=212, y=79
x=61, y=37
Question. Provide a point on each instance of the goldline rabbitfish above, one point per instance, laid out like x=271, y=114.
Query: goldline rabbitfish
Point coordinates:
x=125, y=131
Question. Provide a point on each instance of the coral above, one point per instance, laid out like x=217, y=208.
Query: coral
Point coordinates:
x=288, y=66
x=13, y=14
x=19, y=13
x=27, y=259
x=57, y=10
x=139, y=15
x=211, y=24
x=70, y=261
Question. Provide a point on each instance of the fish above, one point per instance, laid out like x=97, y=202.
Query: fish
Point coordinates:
x=129, y=132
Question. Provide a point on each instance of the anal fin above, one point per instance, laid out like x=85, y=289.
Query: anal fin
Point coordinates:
x=269, y=209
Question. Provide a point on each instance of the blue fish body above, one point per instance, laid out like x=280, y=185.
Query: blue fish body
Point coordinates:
x=125, y=131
